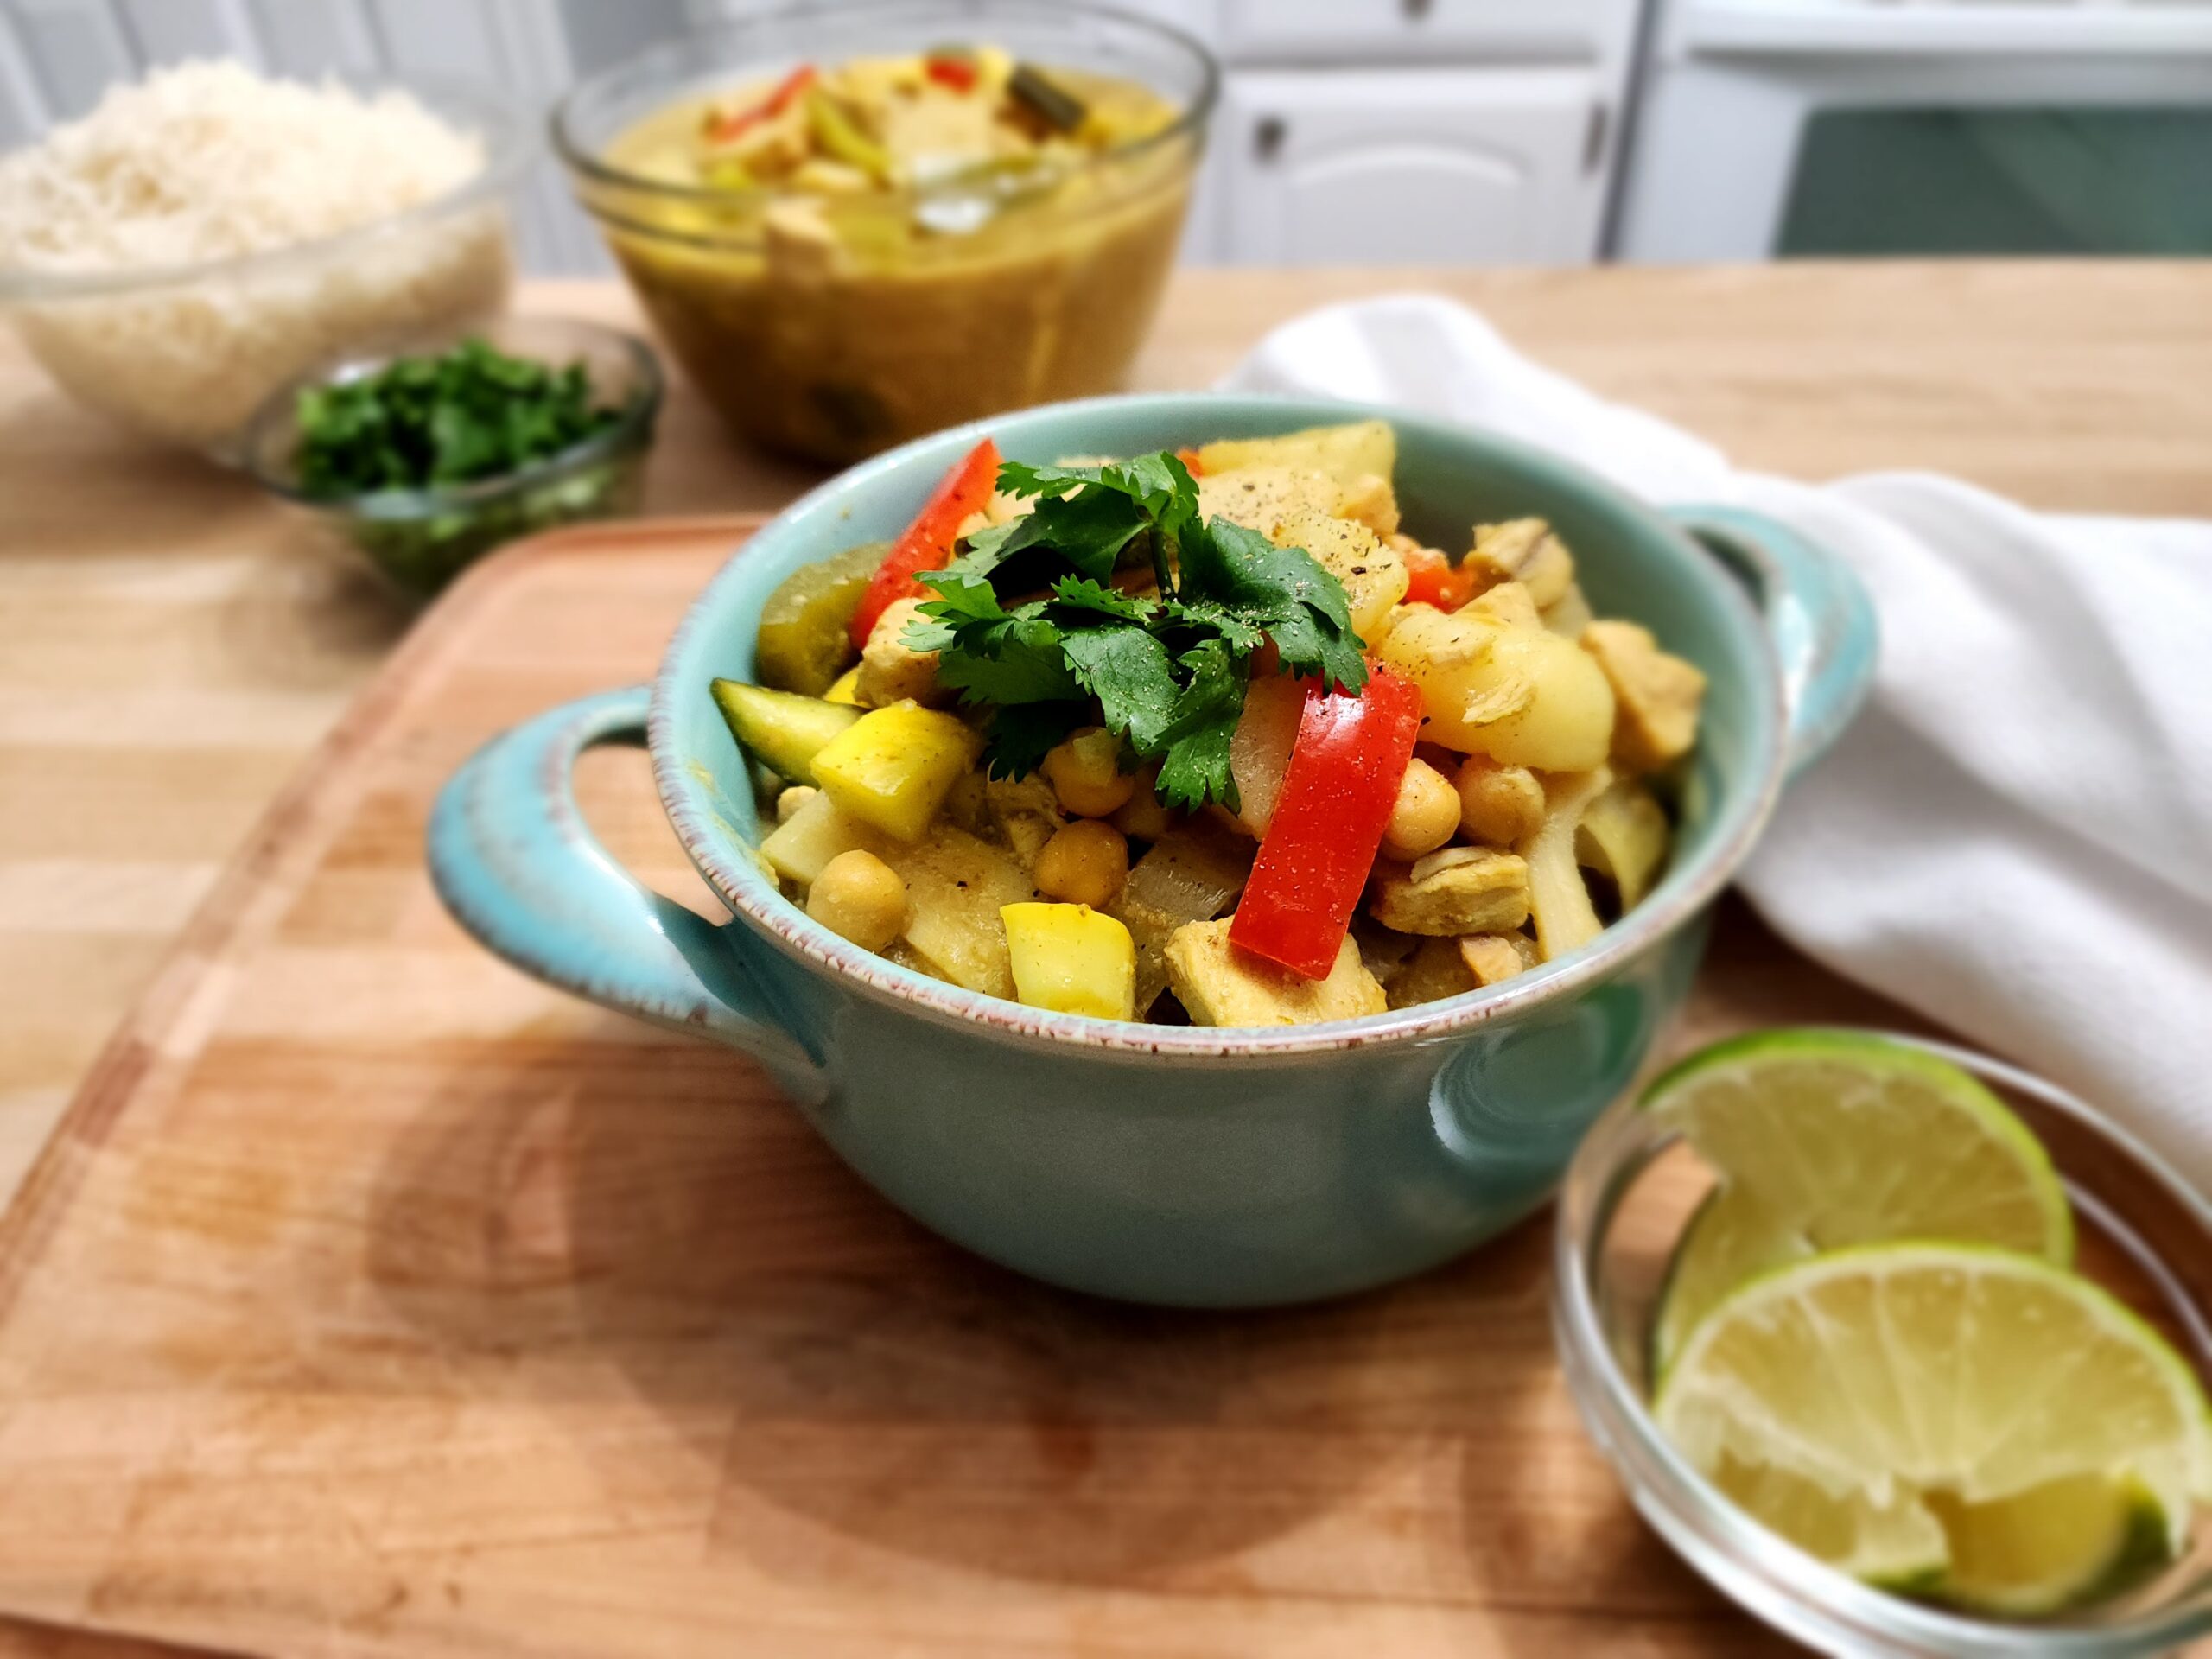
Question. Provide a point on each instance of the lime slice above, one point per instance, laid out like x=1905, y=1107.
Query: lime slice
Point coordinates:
x=1824, y=1140
x=1968, y=1422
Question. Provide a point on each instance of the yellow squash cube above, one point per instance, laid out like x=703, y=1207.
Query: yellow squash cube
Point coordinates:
x=893, y=767
x=845, y=688
x=1072, y=959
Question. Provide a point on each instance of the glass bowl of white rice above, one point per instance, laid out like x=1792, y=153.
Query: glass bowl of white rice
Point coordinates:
x=207, y=236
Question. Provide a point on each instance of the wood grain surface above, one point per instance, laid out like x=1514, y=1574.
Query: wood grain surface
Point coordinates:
x=172, y=644
x=374, y=1300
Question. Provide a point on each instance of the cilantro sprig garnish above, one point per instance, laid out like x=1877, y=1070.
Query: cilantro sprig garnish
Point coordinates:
x=1028, y=620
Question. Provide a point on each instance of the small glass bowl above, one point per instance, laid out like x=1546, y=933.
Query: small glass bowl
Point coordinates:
x=2144, y=1234
x=421, y=540
x=187, y=354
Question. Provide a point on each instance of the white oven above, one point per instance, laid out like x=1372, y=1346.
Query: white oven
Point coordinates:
x=1836, y=127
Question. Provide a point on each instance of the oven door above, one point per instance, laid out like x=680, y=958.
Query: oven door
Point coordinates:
x=1831, y=127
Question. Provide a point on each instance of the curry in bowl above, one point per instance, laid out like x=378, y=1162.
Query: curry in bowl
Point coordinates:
x=846, y=253
x=1208, y=736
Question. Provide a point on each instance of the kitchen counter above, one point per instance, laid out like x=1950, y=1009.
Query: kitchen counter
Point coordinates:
x=172, y=643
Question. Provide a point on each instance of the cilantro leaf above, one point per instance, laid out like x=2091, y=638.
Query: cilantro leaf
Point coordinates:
x=1195, y=768
x=1128, y=669
x=1022, y=733
x=988, y=653
x=1085, y=594
x=1167, y=673
x=1158, y=484
x=1282, y=591
x=1088, y=530
x=1205, y=616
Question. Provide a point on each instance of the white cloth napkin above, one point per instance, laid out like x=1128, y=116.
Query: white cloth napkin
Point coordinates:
x=2015, y=838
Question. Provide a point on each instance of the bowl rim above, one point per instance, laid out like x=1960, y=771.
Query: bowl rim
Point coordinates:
x=675, y=53
x=509, y=143
x=738, y=880
x=631, y=430
x=1758, y=1568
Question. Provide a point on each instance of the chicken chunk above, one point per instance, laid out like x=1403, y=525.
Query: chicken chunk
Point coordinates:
x=1490, y=957
x=1656, y=695
x=1220, y=985
x=892, y=671
x=1431, y=974
x=1502, y=805
x=1526, y=551
x=1459, y=890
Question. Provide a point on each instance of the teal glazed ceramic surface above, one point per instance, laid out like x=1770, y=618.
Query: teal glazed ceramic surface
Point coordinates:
x=1169, y=1164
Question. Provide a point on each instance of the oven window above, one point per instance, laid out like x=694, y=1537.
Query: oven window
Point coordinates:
x=2027, y=181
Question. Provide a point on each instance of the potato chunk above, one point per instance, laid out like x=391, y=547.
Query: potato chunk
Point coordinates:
x=1374, y=576
x=1344, y=453
x=801, y=847
x=891, y=671
x=1451, y=656
x=1526, y=551
x=1459, y=890
x=1370, y=499
x=1260, y=498
x=1658, y=695
x=956, y=885
x=1220, y=985
x=1567, y=723
x=1510, y=605
x=1490, y=957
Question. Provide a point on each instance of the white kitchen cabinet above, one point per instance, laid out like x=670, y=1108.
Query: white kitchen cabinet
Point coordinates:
x=1411, y=166
x=1419, y=31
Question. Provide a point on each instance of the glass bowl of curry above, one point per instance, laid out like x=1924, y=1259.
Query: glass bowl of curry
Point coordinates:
x=855, y=225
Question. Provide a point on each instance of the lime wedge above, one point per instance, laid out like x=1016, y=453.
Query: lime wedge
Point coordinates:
x=1966, y=1422
x=1824, y=1140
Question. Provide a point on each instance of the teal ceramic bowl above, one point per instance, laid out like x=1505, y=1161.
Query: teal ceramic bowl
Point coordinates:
x=1171, y=1164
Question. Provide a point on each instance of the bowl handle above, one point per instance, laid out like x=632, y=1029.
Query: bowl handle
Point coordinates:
x=513, y=858
x=1816, y=611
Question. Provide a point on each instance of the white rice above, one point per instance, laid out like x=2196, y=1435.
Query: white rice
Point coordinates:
x=209, y=161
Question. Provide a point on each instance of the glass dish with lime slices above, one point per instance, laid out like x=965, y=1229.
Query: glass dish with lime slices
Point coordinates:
x=1903, y=1349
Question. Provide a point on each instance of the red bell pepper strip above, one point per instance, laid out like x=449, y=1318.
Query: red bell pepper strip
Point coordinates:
x=1345, y=767
x=926, y=544
x=1432, y=578
x=950, y=70
x=720, y=129
x=1191, y=464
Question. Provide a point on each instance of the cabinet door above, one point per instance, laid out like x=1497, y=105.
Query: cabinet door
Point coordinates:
x=1411, y=166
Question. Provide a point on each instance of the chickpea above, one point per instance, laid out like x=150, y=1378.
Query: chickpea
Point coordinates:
x=1499, y=806
x=861, y=897
x=1142, y=817
x=1084, y=863
x=789, y=802
x=1086, y=772
x=1425, y=816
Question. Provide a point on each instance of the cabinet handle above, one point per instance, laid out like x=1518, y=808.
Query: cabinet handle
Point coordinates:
x=1593, y=135
x=1268, y=135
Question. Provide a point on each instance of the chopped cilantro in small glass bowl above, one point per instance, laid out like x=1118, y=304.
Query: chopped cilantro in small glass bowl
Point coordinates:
x=427, y=460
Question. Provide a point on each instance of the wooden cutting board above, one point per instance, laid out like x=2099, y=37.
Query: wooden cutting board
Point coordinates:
x=374, y=1300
